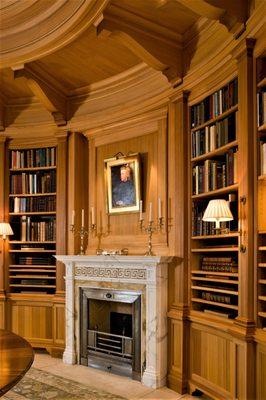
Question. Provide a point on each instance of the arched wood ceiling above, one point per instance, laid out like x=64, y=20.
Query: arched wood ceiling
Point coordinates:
x=54, y=49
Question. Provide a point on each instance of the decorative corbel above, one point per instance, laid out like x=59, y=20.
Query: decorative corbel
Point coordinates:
x=52, y=100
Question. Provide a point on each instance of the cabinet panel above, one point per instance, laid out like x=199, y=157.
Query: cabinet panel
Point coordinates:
x=33, y=322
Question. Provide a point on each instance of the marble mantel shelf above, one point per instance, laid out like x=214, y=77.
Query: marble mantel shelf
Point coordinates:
x=149, y=271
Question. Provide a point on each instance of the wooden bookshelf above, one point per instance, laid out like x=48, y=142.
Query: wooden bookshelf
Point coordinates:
x=217, y=152
x=32, y=229
x=214, y=290
x=261, y=185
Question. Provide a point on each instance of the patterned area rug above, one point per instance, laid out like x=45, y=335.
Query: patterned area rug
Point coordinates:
x=40, y=385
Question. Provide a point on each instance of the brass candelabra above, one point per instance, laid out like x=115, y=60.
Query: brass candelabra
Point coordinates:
x=150, y=228
x=81, y=233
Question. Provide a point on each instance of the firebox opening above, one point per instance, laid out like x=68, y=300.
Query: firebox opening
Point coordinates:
x=111, y=335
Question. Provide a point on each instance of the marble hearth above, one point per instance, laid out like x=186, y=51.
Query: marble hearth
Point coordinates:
x=145, y=275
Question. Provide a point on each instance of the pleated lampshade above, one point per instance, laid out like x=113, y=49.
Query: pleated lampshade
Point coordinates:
x=217, y=210
x=5, y=229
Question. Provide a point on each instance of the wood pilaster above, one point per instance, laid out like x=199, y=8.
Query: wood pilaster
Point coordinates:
x=61, y=208
x=246, y=174
x=178, y=231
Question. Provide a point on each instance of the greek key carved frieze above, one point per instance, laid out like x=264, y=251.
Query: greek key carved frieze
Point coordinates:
x=114, y=273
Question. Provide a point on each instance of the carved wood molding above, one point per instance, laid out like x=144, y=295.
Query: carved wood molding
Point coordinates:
x=158, y=48
x=52, y=100
x=25, y=34
x=232, y=14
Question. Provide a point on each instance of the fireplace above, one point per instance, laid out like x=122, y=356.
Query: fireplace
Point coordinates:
x=110, y=330
x=130, y=293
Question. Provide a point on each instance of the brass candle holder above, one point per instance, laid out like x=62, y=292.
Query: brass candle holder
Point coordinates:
x=99, y=233
x=150, y=228
x=81, y=233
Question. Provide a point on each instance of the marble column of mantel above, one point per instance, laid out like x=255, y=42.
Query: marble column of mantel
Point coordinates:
x=151, y=271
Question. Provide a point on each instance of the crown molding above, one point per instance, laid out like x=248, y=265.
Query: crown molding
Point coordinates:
x=30, y=38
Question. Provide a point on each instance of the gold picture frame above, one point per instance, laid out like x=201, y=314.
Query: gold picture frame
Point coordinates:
x=122, y=181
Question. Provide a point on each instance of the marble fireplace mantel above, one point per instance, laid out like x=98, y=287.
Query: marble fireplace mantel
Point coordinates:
x=151, y=272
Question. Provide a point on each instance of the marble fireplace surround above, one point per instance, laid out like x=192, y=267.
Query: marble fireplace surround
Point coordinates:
x=149, y=272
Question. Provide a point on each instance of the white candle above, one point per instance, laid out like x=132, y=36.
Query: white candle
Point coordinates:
x=159, y=208
x=140, y=210
x=150, y=213
x=92, y=216
x=73, y=218
x=82, y=217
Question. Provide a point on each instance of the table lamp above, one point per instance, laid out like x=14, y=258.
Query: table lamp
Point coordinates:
x=218, y=211
x=5, y=230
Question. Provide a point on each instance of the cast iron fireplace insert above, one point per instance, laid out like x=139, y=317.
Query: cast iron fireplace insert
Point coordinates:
x=110, y=330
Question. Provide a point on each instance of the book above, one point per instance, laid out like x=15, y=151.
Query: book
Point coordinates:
x=216, y=313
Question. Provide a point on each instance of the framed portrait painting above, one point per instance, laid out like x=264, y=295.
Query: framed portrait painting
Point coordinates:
x=122, y=177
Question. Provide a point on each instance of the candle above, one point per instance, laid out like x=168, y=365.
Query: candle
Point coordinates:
x=92, y=216
x=82, y=217
x=140, y=210
x=150, y=213
x=159, y=208
x=73, y=218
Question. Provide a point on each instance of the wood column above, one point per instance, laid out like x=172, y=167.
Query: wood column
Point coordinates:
x=61, y=209
x=178, y=233
x=77, y=186
x=246, y=174
x=2, y=218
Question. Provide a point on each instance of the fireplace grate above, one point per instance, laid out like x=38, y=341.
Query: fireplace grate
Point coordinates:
x=110, y=344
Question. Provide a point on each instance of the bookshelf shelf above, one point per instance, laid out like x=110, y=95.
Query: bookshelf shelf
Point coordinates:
x=32, y=286
x=262, y=281
x=211, y=289
x=218, y=118
x=33, y=213
x=262, y=177
x=262, y=265
x=262, y=248
x=262, y=128
x=217, y=280
x=214, y=303
x=201, y=272
x=214, y=249
x=262, y=314
x=31, y=251
x=262, y=83
x=30, y=242
x=262, y=298
x=32, y=169
x=212, y=193
x=32, y=195
x=224, y=236
x=217, y=152
x=35, y=276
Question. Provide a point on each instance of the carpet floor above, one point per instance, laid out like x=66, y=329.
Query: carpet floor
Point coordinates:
x=40, y=385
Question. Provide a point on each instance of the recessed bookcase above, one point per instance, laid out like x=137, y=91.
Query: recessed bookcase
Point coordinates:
x=214, y=277
x=32, y=215
x=261, y=135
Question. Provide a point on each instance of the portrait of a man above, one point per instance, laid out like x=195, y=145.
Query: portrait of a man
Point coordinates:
x=123, y=186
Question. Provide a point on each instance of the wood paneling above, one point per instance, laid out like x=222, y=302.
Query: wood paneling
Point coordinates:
x=77, y=191
x=261, y=368
x=124, y=229
x=39, y=317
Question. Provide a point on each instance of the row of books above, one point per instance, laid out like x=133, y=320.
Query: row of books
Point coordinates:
x=40, y=231
x=45, y=157
x=215, y=174
x=40, y=182
x=215, y=104
x=218, y=298
x=33, y=204
x=200, y=227
x=214, y=136
x=28, y=260
x=263, y=158
x=261, y=108
x=219, y=264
